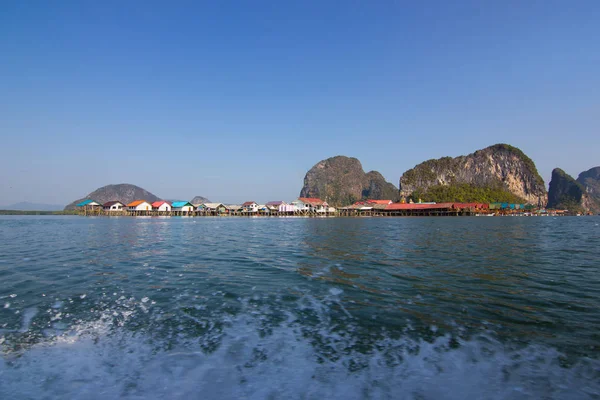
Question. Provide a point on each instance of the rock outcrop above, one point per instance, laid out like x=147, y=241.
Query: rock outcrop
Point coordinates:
x=342, y=181
x=566, y=193
x=199, y=200
x=124, y=192
x=497, y=173
x=590, y=180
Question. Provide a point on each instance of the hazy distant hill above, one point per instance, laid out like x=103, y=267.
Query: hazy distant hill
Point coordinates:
x=27, y=206
x=124, y=192
x=199, y=200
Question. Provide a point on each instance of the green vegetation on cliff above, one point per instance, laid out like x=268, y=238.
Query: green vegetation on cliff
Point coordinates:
x=500, y=172
x=426, y=171
x=565, y=192
x=465, y=193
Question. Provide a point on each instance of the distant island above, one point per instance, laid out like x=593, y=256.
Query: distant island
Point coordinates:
x=123, y=192
x=342, y=181
x=500, y=173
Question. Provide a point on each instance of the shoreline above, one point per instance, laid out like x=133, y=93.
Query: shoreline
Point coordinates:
x=36, y=212
x=330, y=215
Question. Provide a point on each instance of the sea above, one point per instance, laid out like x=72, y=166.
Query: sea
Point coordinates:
x=299, y=308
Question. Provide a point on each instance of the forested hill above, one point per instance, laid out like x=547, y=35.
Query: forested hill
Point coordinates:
x=497, y=173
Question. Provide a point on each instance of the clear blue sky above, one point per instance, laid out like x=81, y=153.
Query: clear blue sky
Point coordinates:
x=237, y=100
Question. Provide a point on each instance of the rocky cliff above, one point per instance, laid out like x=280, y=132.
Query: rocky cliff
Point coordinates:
x=497, y=173
x=123, y=192
x=566, y=193
x=590, y=180
x=342, y=181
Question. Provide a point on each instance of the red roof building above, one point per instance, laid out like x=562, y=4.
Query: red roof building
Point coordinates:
x=379, y=202
x=478, y=206
x=418, y=206
x=135, y=203
x=312, y=200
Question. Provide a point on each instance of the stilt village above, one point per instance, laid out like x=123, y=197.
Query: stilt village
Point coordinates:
x=308, y=207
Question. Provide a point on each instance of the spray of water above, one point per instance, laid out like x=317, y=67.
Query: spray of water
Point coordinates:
x=265, y=352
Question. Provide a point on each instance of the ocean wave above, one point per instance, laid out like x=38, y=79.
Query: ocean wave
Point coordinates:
x=253, y=355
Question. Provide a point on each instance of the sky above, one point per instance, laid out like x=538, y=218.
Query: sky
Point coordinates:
x=237, y=100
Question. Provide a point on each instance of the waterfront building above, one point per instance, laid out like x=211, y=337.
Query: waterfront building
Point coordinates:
x=161, y=205
x=250, y=207
x=139, y=205
x=311, y=205
x=214, y=208
x=113, y=206
x=372, y=201
x=285, y=208
x=89, y=204
x=274, y=206
x=182, y=206
x=233, y=208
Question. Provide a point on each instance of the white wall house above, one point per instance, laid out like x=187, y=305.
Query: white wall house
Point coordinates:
x=113, y=206
x=139, y=205
x=287, y=208
x=161, y=206
x=183, y=206
x=310, y=204
x=250, y=207
x=274, y=206
x=299, y=205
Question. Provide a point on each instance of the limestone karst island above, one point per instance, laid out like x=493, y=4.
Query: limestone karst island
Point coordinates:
x=498, y=180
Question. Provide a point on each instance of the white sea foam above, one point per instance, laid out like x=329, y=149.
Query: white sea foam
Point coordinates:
x=27, y=318
x=94, y=361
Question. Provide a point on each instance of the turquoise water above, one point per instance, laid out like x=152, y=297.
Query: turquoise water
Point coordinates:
x=299, y=308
